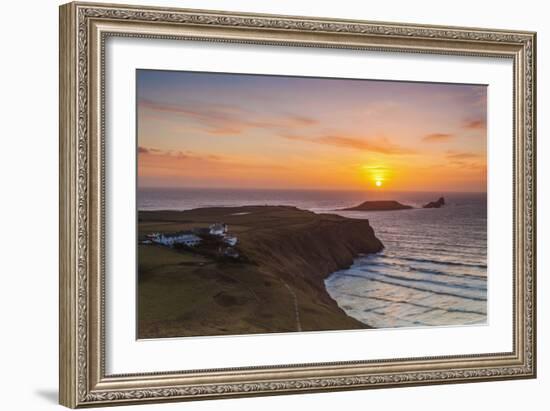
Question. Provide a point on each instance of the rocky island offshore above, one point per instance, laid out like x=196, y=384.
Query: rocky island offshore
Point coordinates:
x=379, y=206
x=391, y=205
x=272, y=281
x=435, y=204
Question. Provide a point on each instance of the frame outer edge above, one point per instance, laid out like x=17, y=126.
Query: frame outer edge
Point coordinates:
x=77, y=385
x=534, y=200
x=68, y=328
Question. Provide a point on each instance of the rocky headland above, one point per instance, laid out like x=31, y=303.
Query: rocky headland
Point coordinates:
x=278, y=285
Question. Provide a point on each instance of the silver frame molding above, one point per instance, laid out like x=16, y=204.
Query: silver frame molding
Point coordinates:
x=84, y=27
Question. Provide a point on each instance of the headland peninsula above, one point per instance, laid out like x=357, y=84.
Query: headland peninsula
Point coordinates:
x=244, y=270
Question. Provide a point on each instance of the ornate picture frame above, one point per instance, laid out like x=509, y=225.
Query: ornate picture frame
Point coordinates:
x=84, y=29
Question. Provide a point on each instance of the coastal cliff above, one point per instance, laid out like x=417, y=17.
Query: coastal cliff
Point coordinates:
x=277, y=285
x=379, y=206
x=304, y=255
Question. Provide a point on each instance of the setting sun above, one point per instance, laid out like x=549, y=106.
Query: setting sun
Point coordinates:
x=378, y=183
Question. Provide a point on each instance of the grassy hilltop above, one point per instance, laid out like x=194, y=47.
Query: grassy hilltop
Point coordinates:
x=276, y=286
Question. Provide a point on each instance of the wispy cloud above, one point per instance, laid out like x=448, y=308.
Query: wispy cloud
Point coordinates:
x=455, y=155
x=437, y=137
x=221, y=119
x=466, y=160
x=146, y=150
x=377, y=145
x=181, y=162
x=476, y=124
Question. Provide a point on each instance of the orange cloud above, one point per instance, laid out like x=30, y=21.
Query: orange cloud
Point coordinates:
x=179, y=162
x=453, y=155
x=467, y=160
x=478, y=124
x=145, y=150
x=378, y=145
x=193, y=169
x=437, y=137
x=220, y=119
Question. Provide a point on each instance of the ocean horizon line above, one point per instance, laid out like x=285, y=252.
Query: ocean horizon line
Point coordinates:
x=377, y=191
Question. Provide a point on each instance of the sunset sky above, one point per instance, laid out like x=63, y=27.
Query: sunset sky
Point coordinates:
x=226, y=130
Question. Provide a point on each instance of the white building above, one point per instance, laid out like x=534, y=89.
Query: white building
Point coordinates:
x=190, y=240
x=218, y=229
x=230, y=240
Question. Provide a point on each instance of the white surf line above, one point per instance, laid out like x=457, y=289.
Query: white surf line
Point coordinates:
x=297, y=312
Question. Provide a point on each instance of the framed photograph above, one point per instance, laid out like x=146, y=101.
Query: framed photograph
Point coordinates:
x=260, y=204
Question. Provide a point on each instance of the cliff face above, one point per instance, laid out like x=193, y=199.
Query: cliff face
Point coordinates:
x=324, y=245
x=304, y=254
x=379, y=206
x=277, y=287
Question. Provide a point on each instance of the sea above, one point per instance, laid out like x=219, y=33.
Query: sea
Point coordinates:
x=432, y=271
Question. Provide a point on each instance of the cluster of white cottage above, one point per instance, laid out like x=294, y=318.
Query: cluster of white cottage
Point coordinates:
x=191, y=239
